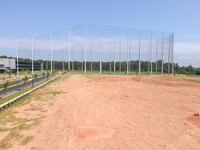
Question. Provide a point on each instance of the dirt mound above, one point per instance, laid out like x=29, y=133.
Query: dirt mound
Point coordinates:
x=155, y=80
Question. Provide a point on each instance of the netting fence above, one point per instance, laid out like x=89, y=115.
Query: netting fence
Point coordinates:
x=92, y=48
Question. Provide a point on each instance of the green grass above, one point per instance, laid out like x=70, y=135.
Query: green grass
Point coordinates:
x=9, y=80
x=10, y=84
x=18, y=124
x=112, y=73
x=26, y=140
x=196, y=81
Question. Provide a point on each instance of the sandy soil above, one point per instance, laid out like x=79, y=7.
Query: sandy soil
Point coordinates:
x=119, y=112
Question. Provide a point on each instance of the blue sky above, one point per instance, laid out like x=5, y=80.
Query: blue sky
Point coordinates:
x=22, y=19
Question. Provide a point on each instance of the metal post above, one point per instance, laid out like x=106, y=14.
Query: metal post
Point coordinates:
x=63, y=61
x=127, y=49
x=69, y=48
x=100, y=52
x=120, y=57
x=110, y=56
x=85, y=44
x=140, y=53
x=169, y=55
x=17, y=60
x=51, y=53
x=114, y=51
x=72, y=58
x=162, y=50
x=172, y=53
x=151, y=53
x=32, y=59
x=91, y=56
x=148, y=55
x=156, y=56
x=82, y=56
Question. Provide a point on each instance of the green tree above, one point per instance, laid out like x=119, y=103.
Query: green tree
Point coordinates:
x=25, y=79
x=5, y=85
x=36, y=77
x=28, y=71
x=48, y=75
x=9, y=73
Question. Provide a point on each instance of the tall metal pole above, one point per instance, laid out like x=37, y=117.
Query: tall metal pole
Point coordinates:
x=156, y=56
x=32, y=59
x=63, y=61
x=82, y=56
x=148, y=55
x=172, y=53
x=72, y=58
x=162, y=50
x=114, y=51
x=151, y=53
x=140, y=52
x=85, y=45
x=100, y=52
x=120, y=67
x=17, y=59
x=169, y=54
x=129, y=58
x=69, y=48
x=51, y=53
x=110, y=56
x=91, y=56
x=127, y=49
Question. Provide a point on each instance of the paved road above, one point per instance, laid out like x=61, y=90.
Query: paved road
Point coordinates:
x=1, y=84
x=21, y=86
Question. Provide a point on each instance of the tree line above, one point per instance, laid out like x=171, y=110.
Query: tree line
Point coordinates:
x=109, y=66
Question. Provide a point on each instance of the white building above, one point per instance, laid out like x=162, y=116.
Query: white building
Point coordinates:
x=7, y=63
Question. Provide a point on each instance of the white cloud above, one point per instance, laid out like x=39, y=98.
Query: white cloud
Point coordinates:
x=187, y=47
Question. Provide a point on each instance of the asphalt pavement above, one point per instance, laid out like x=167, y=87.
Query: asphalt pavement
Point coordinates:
x=13, y=89
x=14, y=81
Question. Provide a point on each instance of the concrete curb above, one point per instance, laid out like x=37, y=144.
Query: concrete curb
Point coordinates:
x=16, y=99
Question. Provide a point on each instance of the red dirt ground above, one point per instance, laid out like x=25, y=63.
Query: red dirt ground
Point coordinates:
x=120, y=112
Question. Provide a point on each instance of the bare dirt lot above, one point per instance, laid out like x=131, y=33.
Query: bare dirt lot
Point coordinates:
x=106, y=112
